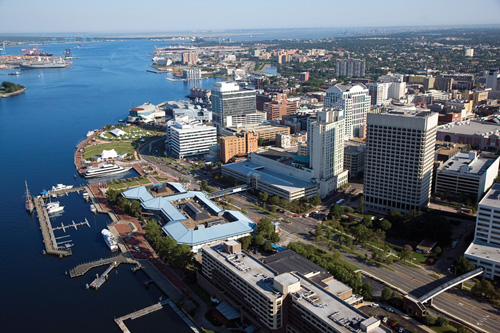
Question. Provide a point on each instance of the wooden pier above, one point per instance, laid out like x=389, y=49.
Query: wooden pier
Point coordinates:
x=138, y=314
x=72, y=225
x=99, y=280
x=84, y=268
x=49, y=239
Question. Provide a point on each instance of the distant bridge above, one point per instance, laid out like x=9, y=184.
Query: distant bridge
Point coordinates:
x=227, y=191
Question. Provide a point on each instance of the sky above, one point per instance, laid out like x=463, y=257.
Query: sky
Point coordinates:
x=137, y=16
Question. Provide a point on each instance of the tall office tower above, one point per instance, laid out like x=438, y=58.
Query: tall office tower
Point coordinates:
x=378, y=92
x=325, y=144
x=354, y=100
x=350, y=67
x=229, y=101
x=492, y=79
x=399, y=160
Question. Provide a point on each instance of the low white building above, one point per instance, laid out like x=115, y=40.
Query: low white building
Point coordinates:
x=188, y=137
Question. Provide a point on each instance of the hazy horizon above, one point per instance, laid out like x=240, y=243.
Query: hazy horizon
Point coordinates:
x=197, y=16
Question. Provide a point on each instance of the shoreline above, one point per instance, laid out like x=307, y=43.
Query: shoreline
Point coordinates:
x=13, y=93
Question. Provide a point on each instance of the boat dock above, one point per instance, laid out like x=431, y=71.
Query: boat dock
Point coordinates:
x=137, y=314
x=49, y=239
x=81, y=269
x=72, y=225
x=60, y=193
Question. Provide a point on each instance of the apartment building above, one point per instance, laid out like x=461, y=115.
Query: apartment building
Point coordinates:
x=354, y=100
x=350, y=67
x=189, y=58
x=399, y=160
x=237, y=145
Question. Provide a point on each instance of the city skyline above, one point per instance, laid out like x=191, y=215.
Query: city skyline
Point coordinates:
x=153, y=16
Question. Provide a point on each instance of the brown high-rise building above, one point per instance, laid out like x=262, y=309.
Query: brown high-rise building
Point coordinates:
x=189, y=58
x=279, y=108
x=233, y=146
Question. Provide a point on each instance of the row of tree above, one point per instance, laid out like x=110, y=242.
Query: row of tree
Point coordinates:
x=129, y=207
x=177, y=255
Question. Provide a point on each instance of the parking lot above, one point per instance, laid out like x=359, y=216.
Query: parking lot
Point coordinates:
x=393, y=322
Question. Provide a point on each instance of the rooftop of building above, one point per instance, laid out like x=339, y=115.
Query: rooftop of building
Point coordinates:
x=469, y=163
x=191, y=217
x=248, y=268
x=278, y=179
x=448, y=148
x=311, y=296
x=471, y=127
x=483, y=250
x=256, y=128
x=492, y=198
x=350, y=87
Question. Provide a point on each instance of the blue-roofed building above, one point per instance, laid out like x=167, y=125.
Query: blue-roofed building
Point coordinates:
x=191, y=218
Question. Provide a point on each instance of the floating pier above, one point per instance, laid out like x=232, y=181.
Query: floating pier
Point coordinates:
x=49, y=239
x=72, y=225
x=99, y=280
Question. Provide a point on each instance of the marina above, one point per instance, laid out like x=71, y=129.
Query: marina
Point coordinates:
x=81, y=269
x=72, y=225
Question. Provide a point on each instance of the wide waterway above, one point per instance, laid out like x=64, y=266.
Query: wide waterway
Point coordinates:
x=38, y=133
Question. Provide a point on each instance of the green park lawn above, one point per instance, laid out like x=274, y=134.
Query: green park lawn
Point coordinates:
x=144, y=181
x=120, y=147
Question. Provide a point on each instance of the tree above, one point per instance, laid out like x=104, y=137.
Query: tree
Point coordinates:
x=463, y=265
x=112, y=196
x=360, y=206
x=429, y=320
x=274, y=200
x=367, y=291
x=319, y=233
x=442, y=321
x=463, y=329
x=316, y=200
x=336, y=212
x=275, y=238
x=244, y=211
x=483, y=288
x=386, y=294
x=259, y=240
x=405, y=254
x=438, y=250
x=245, y=242
x=268, y=246
x=265, y=227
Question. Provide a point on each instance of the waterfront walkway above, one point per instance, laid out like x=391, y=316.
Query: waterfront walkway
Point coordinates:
x=116, y=260
x=49, y=239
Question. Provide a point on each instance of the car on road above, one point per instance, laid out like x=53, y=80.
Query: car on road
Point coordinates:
x=388, y=308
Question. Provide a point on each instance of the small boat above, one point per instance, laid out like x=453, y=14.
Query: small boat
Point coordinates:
x=54, y=207
x=93, y=209
x=59, y=187
x=15, y=73
x=86, y=196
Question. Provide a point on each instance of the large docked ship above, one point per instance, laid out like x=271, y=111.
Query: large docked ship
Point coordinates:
x=109, y=239
x=44, y=62
x=104, y=170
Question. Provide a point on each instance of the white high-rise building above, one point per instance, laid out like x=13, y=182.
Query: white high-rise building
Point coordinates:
x=399, y=160
x=354, y=100
x=188, y=137
x=484, y=251
x=325, y=144
x=397, y=86
x=378, y=92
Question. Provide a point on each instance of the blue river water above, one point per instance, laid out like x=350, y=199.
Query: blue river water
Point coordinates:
x=38, y=133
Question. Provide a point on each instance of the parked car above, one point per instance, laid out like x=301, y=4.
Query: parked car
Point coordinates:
x=401, y=329
x=390, y=309
x=384, y=320
x=374, y=305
